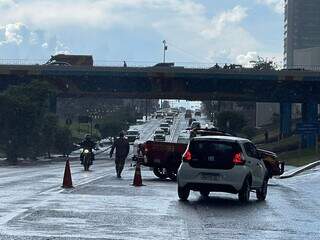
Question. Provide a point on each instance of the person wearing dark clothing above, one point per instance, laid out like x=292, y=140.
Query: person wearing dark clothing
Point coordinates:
x=121, y=145
x=88, y=144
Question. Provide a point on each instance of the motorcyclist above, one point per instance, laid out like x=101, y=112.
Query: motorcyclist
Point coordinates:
x=88, y=144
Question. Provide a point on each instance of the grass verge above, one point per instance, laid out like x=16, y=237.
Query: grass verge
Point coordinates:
x=299, y=158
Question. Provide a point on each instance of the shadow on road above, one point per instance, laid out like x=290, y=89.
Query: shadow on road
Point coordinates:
x=215, y=202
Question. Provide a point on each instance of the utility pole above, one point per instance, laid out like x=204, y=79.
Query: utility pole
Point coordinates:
x=165, y=48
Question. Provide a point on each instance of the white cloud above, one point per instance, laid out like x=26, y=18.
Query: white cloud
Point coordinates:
x=276, y=5
x=185, y=23
x=227, y=18
x=7, y=3
x=246, y=59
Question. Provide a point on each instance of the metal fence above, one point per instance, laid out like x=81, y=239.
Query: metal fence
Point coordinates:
x=134, y=63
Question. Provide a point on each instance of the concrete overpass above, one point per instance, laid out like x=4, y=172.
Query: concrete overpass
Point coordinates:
x=285, y=87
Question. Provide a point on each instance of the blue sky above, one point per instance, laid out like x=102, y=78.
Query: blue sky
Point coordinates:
x=197, y=31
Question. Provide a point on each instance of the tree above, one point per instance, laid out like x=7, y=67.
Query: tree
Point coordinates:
x=22, y=110
x=63, y=141
x=112, y=127
x=232, y=122
x=48, y=132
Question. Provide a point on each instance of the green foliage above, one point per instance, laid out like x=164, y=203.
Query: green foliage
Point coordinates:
x=63, y=141
x=119, y=122
x=112, y=127
x=48, y=132
x=232, y=122
x=249, y=132
x=23, y=111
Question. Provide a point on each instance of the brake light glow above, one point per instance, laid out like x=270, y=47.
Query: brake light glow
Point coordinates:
x=187, y=156
x=238, y=159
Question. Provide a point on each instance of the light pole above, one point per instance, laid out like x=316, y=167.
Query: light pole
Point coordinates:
x=165, y=48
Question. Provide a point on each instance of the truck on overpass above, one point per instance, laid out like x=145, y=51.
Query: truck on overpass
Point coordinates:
x=71, y=60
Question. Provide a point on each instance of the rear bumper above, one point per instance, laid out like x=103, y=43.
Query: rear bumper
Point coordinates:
x=228, y=180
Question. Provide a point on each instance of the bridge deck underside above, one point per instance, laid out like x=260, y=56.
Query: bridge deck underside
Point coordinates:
x=175, y=85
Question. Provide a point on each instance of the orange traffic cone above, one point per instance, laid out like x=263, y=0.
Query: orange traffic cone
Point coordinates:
x=67, y=180
x=137, y=180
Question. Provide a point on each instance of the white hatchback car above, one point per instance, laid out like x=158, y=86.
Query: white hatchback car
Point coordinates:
x=222, y=164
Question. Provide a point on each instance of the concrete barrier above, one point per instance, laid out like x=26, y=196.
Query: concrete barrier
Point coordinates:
x=299, y=170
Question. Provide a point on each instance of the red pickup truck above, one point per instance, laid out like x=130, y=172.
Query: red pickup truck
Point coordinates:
x=165, y=157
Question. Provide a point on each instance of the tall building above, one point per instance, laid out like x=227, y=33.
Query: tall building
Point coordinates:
x=301, y=31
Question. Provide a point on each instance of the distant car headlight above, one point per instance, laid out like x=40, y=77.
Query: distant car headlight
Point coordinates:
x=86, y=151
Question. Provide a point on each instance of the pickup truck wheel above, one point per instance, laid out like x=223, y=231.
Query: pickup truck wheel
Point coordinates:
x=183, y=193
x=160, y=173
x=262, y=192
x=244, y=194
x=204, y=193
x=172, y=175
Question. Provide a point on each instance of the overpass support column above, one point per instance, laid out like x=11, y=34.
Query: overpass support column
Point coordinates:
x=309, y=115
x=285, y=119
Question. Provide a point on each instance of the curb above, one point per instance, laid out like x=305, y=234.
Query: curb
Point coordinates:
x=300, y=170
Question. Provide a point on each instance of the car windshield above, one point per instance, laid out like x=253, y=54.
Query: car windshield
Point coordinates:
x=132, y=133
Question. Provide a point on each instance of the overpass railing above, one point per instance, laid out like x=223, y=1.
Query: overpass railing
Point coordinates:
x=134, y=63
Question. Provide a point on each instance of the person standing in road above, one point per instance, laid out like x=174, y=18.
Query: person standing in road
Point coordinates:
x=121, y=145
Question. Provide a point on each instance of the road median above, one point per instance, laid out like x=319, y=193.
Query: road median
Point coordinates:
x=299, y=170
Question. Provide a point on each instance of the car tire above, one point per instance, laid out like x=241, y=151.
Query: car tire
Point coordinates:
x=244, y=193
x=183, y=193
x=205, y=193
x=160, y=173
x=262, y=192
x=172, y=175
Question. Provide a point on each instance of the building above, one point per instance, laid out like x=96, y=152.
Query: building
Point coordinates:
x=301, y=31
x=308, y=58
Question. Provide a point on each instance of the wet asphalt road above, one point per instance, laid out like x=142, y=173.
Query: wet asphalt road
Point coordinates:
x=33, y=206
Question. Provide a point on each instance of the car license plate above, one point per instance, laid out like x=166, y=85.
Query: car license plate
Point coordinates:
x=211, y=176
x=211, y=159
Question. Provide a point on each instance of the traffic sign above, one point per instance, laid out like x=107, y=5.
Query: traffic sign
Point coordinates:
x=308, y=128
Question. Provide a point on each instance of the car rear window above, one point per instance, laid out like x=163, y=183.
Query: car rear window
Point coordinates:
x=213, y=154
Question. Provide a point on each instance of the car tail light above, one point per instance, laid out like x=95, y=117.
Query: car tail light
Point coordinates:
x=187, y=156
x=238, y=159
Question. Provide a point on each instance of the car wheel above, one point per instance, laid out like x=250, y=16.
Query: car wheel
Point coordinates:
x=262, y=192
x=172, y=175
x=160, y=173
x=183, y=193
x=244, y=194
x=204, y=193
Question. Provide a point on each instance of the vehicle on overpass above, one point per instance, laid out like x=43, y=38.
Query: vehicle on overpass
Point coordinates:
x=222, y=164
x=71, y=60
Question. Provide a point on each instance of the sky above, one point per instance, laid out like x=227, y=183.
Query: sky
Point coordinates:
x=198, y=32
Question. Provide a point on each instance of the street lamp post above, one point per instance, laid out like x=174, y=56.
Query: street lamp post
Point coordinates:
x=165, y=48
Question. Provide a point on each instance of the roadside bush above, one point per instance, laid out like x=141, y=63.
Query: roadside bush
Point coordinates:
x=63, y=141
x=249, y=132
x=232, y=122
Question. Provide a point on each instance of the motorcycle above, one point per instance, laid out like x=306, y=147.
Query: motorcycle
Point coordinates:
x=86, y=159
